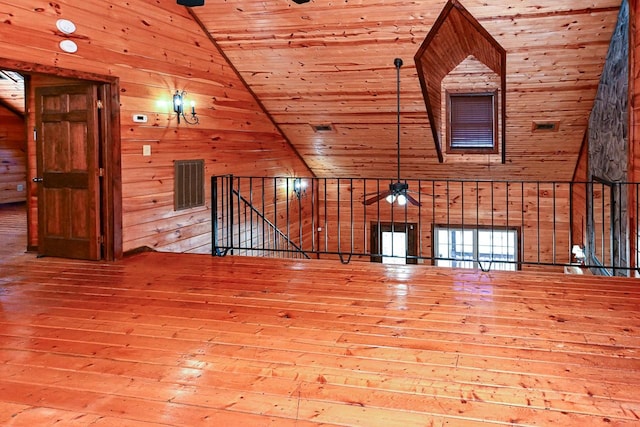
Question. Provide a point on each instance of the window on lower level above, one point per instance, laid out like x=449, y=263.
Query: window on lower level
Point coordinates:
x=484, y=248
x=471, y=126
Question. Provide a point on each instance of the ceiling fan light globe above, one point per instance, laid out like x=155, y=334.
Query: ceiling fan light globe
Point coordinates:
x=390, y=198
x=402, y=200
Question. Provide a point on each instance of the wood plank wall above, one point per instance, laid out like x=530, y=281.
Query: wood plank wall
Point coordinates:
x=13, y=157
x=154, y=48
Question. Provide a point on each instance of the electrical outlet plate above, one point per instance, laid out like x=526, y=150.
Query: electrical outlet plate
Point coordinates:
x=146, y=150
x=140, y=118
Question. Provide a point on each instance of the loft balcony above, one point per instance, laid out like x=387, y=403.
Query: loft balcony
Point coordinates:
x=487, y=225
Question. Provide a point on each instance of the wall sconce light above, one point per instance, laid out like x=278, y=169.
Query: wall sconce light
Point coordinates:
x=178, y=107
x=299, y=187
x=578, y=253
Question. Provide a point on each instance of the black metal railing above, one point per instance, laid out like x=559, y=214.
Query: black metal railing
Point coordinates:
x=453, y=222
x=254, y=233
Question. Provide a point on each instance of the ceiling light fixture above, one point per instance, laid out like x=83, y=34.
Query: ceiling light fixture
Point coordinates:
x=65, y=26
x=68, y=46
x=300, y=1
x=178, y=107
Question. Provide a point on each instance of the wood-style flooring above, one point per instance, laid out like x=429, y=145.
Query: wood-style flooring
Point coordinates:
x=193, y=340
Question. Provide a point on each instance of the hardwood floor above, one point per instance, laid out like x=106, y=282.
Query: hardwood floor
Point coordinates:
x=188, y=340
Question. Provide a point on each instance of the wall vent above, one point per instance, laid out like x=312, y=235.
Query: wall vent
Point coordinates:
x=545, y=126
x=189, y=184
x=322, y=128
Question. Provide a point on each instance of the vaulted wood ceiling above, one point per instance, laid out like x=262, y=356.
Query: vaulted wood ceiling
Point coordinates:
x=331, y=62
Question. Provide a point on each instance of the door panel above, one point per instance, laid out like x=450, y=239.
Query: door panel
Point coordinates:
x=68, y=164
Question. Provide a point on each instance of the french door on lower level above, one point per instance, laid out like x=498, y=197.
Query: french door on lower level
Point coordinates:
x=394, y=243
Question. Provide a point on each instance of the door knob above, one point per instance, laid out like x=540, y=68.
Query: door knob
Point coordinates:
x=37, y=179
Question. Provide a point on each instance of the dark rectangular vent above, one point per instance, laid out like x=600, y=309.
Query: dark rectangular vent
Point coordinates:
x=322, y=128
x=545, y=126
x=189, y=184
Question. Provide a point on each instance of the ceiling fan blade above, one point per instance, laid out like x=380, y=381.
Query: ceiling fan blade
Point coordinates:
x=377, y=198
x=421, y=193
x=413, y=201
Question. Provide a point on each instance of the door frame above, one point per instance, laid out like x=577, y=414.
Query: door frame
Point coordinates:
x=409, y=228
x=111, y=183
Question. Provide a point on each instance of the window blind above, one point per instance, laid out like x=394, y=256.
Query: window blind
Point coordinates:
x=471, y=121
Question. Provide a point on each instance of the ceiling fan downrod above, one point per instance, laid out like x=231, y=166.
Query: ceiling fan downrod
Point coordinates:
x=398, y=191
x=398, y=63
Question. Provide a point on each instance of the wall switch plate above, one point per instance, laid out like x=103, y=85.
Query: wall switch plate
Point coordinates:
x=20, y=187
x=140, y=118
x=146, y=150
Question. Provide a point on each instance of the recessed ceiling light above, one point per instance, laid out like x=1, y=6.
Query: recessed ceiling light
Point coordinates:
x=65, y=26
x=69, y=46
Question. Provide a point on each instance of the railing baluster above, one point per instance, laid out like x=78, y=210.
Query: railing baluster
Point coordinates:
x=365, y=242
x=339, y=224
x=351, y=213
x=554, y=224
x=538, y=216
x=241, y=220
x=522, y=227
x=506, y=208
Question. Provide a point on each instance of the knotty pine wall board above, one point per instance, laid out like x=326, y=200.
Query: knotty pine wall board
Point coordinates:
x=13, y=157
x=153, y=49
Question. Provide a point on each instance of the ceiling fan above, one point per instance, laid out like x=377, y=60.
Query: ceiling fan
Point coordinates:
x=398, y=191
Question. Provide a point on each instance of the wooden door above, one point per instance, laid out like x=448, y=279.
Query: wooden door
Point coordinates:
x=67, y=149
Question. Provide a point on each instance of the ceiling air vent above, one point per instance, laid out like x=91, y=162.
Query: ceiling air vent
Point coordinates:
x=545, y=126
x=322, y=128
